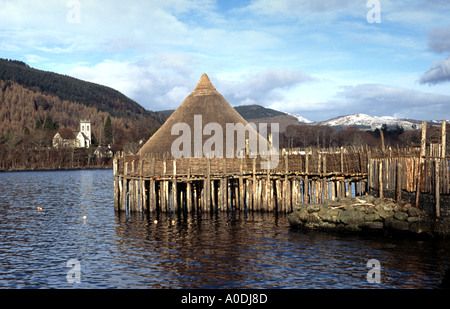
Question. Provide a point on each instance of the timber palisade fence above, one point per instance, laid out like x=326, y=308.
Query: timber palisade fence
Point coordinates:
x=235, y=184
x=420, y=176
x=194, y=185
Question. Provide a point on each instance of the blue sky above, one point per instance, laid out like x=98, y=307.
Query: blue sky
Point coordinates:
x=318, y=59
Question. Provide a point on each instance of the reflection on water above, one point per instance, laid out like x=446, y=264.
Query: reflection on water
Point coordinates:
x=195, y=251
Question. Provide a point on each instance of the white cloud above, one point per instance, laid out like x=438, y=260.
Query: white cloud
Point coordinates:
x=146, y=82
x=263, y=88
x=438, y=73
x=384, y=100
x=438, y=40
x=308, y=10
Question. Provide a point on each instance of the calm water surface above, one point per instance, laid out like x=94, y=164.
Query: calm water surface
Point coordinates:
x=218, y=251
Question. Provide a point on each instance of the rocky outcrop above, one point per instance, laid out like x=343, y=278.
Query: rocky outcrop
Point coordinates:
x=368, y=214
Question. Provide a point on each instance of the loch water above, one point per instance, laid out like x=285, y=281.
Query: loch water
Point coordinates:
x=48, y=218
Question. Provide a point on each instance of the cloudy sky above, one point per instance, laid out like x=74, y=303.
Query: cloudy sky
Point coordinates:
x=318, y=59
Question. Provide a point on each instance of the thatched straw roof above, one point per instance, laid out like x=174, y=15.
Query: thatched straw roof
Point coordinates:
x=205, y=100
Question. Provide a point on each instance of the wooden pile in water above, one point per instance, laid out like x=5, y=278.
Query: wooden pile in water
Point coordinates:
x=223, y=184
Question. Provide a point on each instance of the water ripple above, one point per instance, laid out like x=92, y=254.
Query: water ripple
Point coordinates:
x=198, y=251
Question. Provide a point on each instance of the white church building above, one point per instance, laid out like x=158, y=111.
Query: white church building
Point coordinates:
x=66, y=138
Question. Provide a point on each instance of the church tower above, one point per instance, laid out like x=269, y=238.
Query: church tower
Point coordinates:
x=85, y=128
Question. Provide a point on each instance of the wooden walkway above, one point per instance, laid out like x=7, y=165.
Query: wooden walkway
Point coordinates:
x=201, y=184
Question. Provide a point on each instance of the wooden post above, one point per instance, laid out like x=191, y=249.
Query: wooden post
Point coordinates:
x=333, y=190
x=271, y=201
x=123, y=204
x=267, y=198
x=225, y=203
x=141, y=186
x=444, y=138
x=326, y=189
x=421, y=160
x=131, y=184
x=161, y=195
x=286, y=187
x=338, y=189
x=208, y=184
x=163, y=189
x=380, y=179
x=423, y=140
x=116, y=183
x=249, y=193
x=437, y=187
x=182, y=200
x=236, y=194
x=370, y=172
x=195, y=198
x=399, y=182
x=189, y=192
x=258, y=194
x=241, y=186
x=298, y=192
x=254, y=186
x=174, y=187
x=278, y=194
x=358, y=188
x=229, y=194
x=213, y=196
x=152, y=198
x=306, y=181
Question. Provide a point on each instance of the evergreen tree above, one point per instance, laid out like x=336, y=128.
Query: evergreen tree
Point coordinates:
x=38, y=125
x=49, y=124
x=108, y=132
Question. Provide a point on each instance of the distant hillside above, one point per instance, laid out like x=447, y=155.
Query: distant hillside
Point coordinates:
x=28, y=96
x=257, y=114
x=257, y=111
x=367, y=122
x=67, y=88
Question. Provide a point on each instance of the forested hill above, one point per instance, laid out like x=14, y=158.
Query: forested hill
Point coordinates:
x=35, y=104
x=103, y=98
x=257, y=111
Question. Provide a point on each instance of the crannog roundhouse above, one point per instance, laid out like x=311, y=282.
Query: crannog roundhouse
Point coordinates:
x=196, y=160
x=199, y=128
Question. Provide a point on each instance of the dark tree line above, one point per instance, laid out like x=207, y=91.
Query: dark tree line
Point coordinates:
x=33, y=149
x=302, y=136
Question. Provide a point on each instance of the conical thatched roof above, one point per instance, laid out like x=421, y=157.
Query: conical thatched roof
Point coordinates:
x=206, y=101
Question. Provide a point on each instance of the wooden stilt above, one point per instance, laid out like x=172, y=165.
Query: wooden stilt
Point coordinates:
x=123, y=204
x=437, y=187
x=116, y=183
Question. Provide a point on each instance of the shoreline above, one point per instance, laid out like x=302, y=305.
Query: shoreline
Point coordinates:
x=59, y=169
x=369, y=215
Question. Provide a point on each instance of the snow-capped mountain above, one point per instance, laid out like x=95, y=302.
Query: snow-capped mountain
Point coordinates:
x=300, y=118
x=372, y=122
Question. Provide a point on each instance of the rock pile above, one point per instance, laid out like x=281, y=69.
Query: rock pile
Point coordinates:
x=368, y=214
